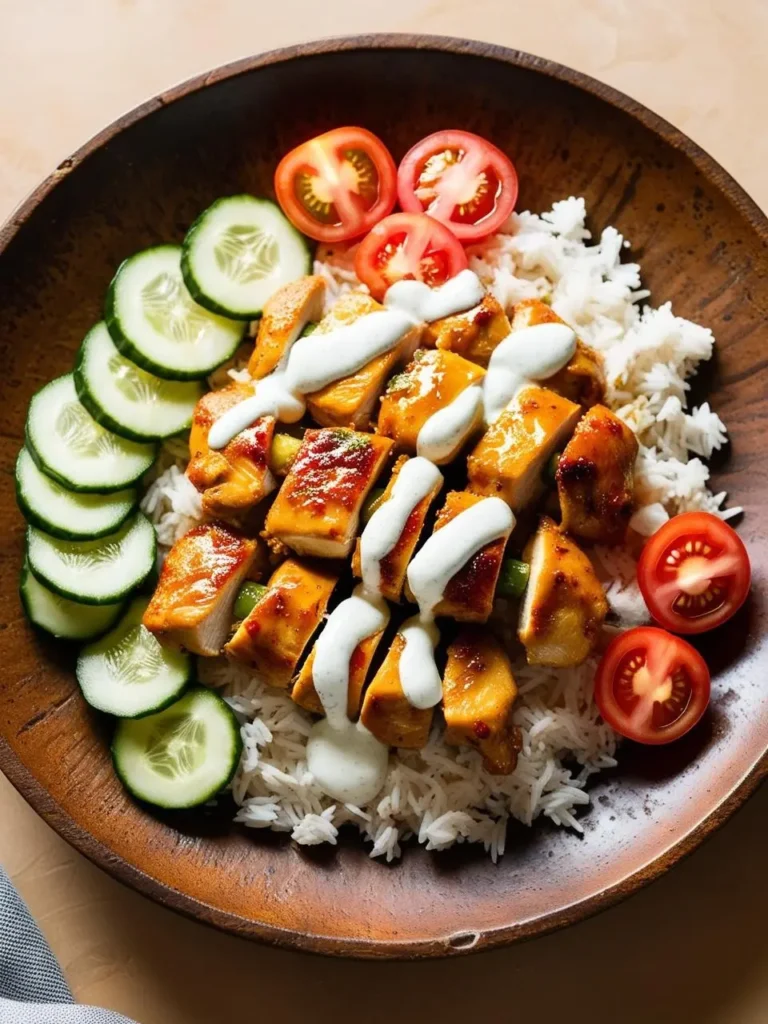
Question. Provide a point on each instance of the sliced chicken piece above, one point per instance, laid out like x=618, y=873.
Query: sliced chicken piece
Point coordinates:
x=352, y=400
x=317, y=510
x=394, y=565
x=285, y=316
x=192, y=603
x=479, y=692
x=386, y=711
x=564, y=605
x=304, y=692
x=279, y=626
x=582, y=380
x=595, y=478
x=469, y=594
x=510, y=458
x=474, y=334
x=428, y=384
x=238, y=477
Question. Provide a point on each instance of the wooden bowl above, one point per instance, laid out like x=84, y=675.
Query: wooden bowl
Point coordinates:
x=702, y=244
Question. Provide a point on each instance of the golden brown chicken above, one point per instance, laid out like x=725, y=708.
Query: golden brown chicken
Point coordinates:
x=388, y=713
x=285, y=316
x=582, y=380
x=317, y=509
x=394, y=565
x=238, y=477
x=510, y=458
x=272, y=638
x=595, y=478
x=429, y=383
x=351, y=401
x=192, y=603
x=469, y=595
x=474, y=334
x=564, y=605
x=304, y=692
x=479, y=692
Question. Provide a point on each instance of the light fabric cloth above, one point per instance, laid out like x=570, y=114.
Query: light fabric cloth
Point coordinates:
x=32, y=987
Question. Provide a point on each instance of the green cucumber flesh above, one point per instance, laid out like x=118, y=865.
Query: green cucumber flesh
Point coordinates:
x=181, y=756
x=60, y=617
x=69, y=445
x=238, y=253
x=94, y=571
x=156, y=323
x=127, y=399
x=128, y=673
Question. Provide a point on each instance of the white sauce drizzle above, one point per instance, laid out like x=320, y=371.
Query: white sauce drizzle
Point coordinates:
x=534, y=353
x=419, y=676
x=347, y=761
x=447, y=429
x=312, y=363
x=414, y=482
x=450, y=548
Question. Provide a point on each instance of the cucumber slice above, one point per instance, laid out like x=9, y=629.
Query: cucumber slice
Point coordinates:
x=238, y=253
x=65, y=619
x=156, y=324
x=72, y=448
x=181, y=756
x=128, y=672
x=126, y=399
x=66, y=514
x=94, y=571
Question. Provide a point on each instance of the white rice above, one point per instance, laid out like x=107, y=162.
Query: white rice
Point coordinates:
x=442, y=795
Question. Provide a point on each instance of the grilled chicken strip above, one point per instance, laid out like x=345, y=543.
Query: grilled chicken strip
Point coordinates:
x=304, y=692
x=317, y=510
x=279, y=626
x=238, y=477
x=192, y=603
x=469, y=595
x=387, y=712
x=474, y=334
x=352, y=400
x=393, y=566
x=564, y=605
x=479, y=692
x=428, y=384
x=595, y=478
x=285, y=316
x=582, y=380
x=510, y=458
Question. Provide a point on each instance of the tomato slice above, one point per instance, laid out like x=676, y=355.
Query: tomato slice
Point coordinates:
x=651, y=686
x=408, y=246
x=338, y=185
x=694, y=573
x=461, y=180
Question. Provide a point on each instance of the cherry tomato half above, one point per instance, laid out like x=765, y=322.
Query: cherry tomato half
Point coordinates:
x=694, y=573
x=408, y=246
x=338, y=185
x=460, y=179
x=651, y=686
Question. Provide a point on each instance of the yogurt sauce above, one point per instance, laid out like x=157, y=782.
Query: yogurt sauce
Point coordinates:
x=347, y=761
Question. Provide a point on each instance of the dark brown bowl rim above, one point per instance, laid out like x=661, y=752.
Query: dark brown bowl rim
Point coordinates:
x=98, y=853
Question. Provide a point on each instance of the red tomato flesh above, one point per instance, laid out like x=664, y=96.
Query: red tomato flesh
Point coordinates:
x=461, y=180
x=694, y=573
x=651, y=686
x=408, y=246
x=338, y=185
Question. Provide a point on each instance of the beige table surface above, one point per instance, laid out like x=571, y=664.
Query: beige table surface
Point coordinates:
x=693, y=947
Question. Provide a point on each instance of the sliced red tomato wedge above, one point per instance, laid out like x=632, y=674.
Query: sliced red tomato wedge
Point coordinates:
x=461, y=180
x=651, y=686
x=338, y=185
x=408, y=246
x=694, y=573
